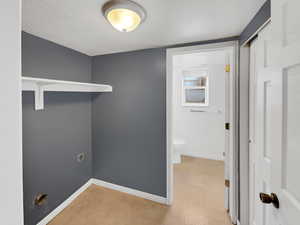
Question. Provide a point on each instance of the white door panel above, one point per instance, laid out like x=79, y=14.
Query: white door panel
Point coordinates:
x=260, y=127
x=252, y=140
x=264, y=128
x=277, y=127
x=268, y=103
x=286, y=154
x=290, y=184
x=286, y=140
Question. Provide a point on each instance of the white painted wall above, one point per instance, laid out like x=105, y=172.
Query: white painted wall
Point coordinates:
x=202, y=132
x=11, y=187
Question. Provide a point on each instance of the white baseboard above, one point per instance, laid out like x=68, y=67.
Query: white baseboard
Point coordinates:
x=63, y=205
x=212, y=156
x=226, y=198
x=101, y=183
x=176, y=158
x=130, y=191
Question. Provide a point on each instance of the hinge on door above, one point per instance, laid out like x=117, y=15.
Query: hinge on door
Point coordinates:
x=227, y=183
x=227, y=68
x=227, y=126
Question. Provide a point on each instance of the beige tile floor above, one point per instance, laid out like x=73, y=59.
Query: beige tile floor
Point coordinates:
x=198, y=200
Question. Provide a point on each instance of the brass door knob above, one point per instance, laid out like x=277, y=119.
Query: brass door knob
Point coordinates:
x=268, y=199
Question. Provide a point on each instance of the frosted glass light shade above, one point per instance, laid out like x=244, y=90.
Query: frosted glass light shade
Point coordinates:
x=124, y=20
x=124, y=15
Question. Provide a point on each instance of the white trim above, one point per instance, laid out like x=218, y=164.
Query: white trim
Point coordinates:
x=226, y=198
x=238, y=222
x=105, y=184
x=244, y=214
x=234, y=133
x=233, y=45
x=211, y=156
x=63, y=205
x=130, y=191
x=11, y=163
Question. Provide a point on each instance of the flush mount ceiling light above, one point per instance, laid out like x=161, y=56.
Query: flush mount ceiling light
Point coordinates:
x=124, y=15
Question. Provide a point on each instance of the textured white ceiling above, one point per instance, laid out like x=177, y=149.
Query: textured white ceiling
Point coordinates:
x=79, y=24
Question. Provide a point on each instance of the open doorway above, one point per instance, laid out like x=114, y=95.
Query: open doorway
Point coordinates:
x=201, y=129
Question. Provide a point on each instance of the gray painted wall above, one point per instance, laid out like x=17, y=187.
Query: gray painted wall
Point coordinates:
x=129, y=125
x=45, y=59
x=259, y=19
x=53, y=137
x=129, y=134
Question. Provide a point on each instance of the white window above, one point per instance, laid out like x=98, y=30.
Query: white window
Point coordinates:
x=195, y=89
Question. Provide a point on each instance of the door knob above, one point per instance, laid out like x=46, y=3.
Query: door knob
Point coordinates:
x=268, y=199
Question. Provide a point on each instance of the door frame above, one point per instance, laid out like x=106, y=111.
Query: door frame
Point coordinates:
x=11, y=163
x=234, y=156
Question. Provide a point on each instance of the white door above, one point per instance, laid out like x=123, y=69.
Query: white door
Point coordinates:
x=261, y=135
x=286, y=110
x=278, y=118
x=252, y=139
x=259, y=128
